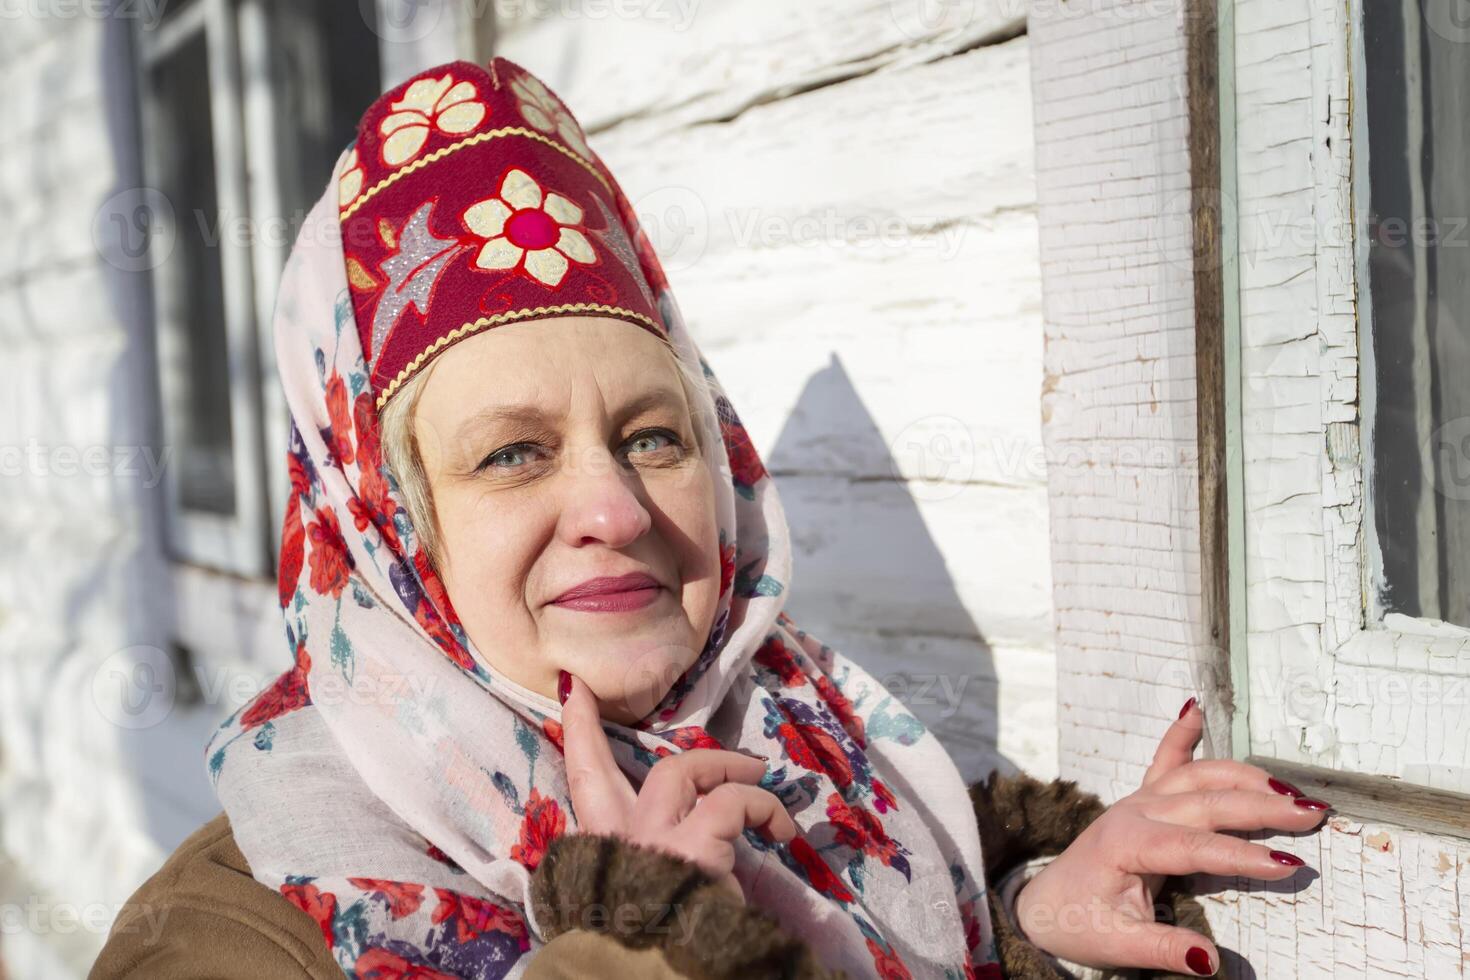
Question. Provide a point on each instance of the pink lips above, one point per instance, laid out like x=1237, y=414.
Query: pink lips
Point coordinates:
x=622, y=593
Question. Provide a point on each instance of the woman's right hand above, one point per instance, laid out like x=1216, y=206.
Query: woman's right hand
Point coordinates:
x=693, y=805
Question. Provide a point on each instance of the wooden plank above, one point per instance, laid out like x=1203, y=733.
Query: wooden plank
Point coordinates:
x=1379, y=799
x=1202, y=65
x=668, y=63
x=922, y=294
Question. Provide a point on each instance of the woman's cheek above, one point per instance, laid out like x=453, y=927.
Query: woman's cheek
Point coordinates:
x=702, y=568
x=484, y=564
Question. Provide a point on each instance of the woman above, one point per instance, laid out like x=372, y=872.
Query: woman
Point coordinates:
x=548, y=716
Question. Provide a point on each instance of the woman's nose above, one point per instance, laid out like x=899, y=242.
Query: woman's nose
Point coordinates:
x=601, y=501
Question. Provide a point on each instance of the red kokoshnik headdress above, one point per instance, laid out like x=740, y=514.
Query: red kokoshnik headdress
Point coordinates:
x=471, y=200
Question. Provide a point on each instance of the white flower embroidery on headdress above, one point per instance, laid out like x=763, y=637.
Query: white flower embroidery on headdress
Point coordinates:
x=523, y=221
x=351, y=183
x=542, y=110
x=429, y=103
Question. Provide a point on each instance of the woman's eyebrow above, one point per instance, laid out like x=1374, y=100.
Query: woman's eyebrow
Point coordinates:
x=531, y=415
x=524, y=414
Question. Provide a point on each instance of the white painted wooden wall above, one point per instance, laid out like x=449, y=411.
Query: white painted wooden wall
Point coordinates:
x=1113, y=180
x=81, y=579
x=842, y=194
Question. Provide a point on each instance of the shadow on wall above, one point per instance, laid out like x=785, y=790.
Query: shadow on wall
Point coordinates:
x=869, y=579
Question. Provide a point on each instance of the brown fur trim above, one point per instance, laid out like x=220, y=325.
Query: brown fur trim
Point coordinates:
x=647, y=898
x=1021, y=818
x=1019, y=960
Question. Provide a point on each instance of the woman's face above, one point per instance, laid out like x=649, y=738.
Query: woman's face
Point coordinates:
x=559, y=451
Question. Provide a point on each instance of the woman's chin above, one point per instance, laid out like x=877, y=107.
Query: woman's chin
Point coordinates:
x=630, y=673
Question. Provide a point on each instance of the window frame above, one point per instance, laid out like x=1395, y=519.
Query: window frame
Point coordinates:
x=238, y=542
x=248, y=165
x=1357, y=640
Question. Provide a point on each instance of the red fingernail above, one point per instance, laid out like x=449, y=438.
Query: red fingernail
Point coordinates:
x=1187, y=705
x=1284, y=788
x=1199, y=961
x=563, y=686
x=1290, y=860
x=1310, y=804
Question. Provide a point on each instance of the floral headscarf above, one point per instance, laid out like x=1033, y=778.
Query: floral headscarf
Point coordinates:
x=392, y=783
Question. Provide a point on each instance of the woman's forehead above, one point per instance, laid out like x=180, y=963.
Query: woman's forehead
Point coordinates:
x=535, y=370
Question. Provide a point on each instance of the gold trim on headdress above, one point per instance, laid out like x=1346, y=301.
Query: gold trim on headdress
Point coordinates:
x=490, y=321
x=445, y=151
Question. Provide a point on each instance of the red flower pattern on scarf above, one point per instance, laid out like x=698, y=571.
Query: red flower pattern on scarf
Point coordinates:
x=695, y=737
x=774, y=655
x=330, y=562
x=404, y=897
x=341, y=441
x=544, y=822
x=373, y=505
x=842, y=708
x=320, y=905
x=434, y=852
x=814, y=748
x=293, y=551
x=727, y=567
x=745, y=462
x=817, y=871
x=426, y=617
x=473, y=916
x=860, y=830
x=377, y=963
x=890, y=967
x=287, y=693
x=551, y=728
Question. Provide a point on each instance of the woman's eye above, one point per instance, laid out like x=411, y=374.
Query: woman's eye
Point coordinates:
x=506, y=458
x=517, y=456
x=652, y=436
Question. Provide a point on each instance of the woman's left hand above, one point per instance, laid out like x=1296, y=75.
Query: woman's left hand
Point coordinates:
x=1094, y=903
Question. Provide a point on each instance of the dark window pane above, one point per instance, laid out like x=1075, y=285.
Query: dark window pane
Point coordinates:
x=191, y=289
x=328, y=73
x=1418, y=108
x=169, y=8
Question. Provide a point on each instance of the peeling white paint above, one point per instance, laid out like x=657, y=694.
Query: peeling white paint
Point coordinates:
x=1110, y=90
x=1343, y=693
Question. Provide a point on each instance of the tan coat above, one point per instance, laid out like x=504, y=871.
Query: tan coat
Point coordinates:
x=203, y=915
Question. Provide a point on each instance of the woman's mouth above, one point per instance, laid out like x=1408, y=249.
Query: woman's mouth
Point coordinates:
x=623, y=593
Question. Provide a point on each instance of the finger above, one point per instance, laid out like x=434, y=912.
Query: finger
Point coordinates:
x=1168, y=849
x=1177, y=746
x=728, y=809
x=1224, y=774
x=675, y=782
x=601, y=795
x=1156, y=946
x=1233, y=809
